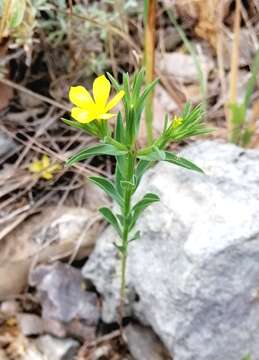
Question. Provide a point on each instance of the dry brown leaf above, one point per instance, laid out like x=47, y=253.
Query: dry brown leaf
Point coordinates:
x=205, y=14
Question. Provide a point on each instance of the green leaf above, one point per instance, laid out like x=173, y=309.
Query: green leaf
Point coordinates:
x=18, y=11
x=102, y=149
x=107, y=186
x=247, y=357
x=128, y=185
x=238, y=113
x=180, y=161
x=119, y=132
x=247, y=136
x=140, y=206
x=142, y=166
x=136, y=236
x=88, y=128
x=148, y=89
x=118, y=179
x=137, y=83
x=154, y=154
x=114, y=82
x=110, y=218
x=118, y=145
x=120, y=248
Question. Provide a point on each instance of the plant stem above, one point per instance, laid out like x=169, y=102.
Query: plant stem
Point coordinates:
x=124, y=254
x=149, y=60
x=122, y=290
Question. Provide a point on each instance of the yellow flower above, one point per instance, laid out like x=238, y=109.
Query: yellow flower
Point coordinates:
x=177, y=121
x=44, y=168
x=87, y=108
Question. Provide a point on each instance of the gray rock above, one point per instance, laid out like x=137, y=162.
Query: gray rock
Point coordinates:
x=181, y=67
x=143, y=344
x=57, y=349
x=61, y=291
x=196, y=267
x=6, y=144
x=30, y=324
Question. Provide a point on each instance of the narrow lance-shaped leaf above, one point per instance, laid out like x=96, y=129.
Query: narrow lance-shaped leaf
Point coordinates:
x=180, y=161
x=88, y=128
x=154, y=154
x=135, y=237
x=102, y=149
x=107, y=186
x=142, y=166
x=118, y=179
x=110, y=218
x=119, y=132
x=140, y=206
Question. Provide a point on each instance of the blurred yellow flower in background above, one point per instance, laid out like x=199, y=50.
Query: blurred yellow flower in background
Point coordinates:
x=87, y=108
x=44, y=168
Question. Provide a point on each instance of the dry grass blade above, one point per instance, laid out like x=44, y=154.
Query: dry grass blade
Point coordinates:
x=234, y=63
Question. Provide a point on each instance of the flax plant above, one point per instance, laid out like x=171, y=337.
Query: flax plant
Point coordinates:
x=90, y=114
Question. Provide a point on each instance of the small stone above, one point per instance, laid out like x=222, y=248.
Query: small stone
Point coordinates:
x=10, y=307
x=7, y=145
x=182, y=67
x=144, y=344
x=62, y=295
x=30, y=324
x=57, y=349
x=54, y=327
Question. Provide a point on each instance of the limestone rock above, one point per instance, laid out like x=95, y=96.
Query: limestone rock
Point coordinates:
x=7, y=145
x=57, y=349
x=195, y=269
x=182, y=67
x=144, y=344
x=63, y=297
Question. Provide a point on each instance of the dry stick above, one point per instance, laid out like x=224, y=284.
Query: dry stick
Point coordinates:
x=23, y=216
x=220, y=56
x=111, y=51
x=79, y=242
x=86, y=169
x=119, y=6
x=32, y=93
x=252, y=32
x=149, y=61
x=46, y=121
x=104, y=338
x=234, y=65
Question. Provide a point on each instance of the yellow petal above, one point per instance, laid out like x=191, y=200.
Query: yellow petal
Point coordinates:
x=105, y=116
x=36, y=166
x=47, y=175
x=115, y=100
x=101, y=91
x=80, y=115
x=54, y=168
x=79, y=96
x=45, y=161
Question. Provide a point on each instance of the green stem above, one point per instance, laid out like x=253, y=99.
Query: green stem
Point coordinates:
x=126, y=211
